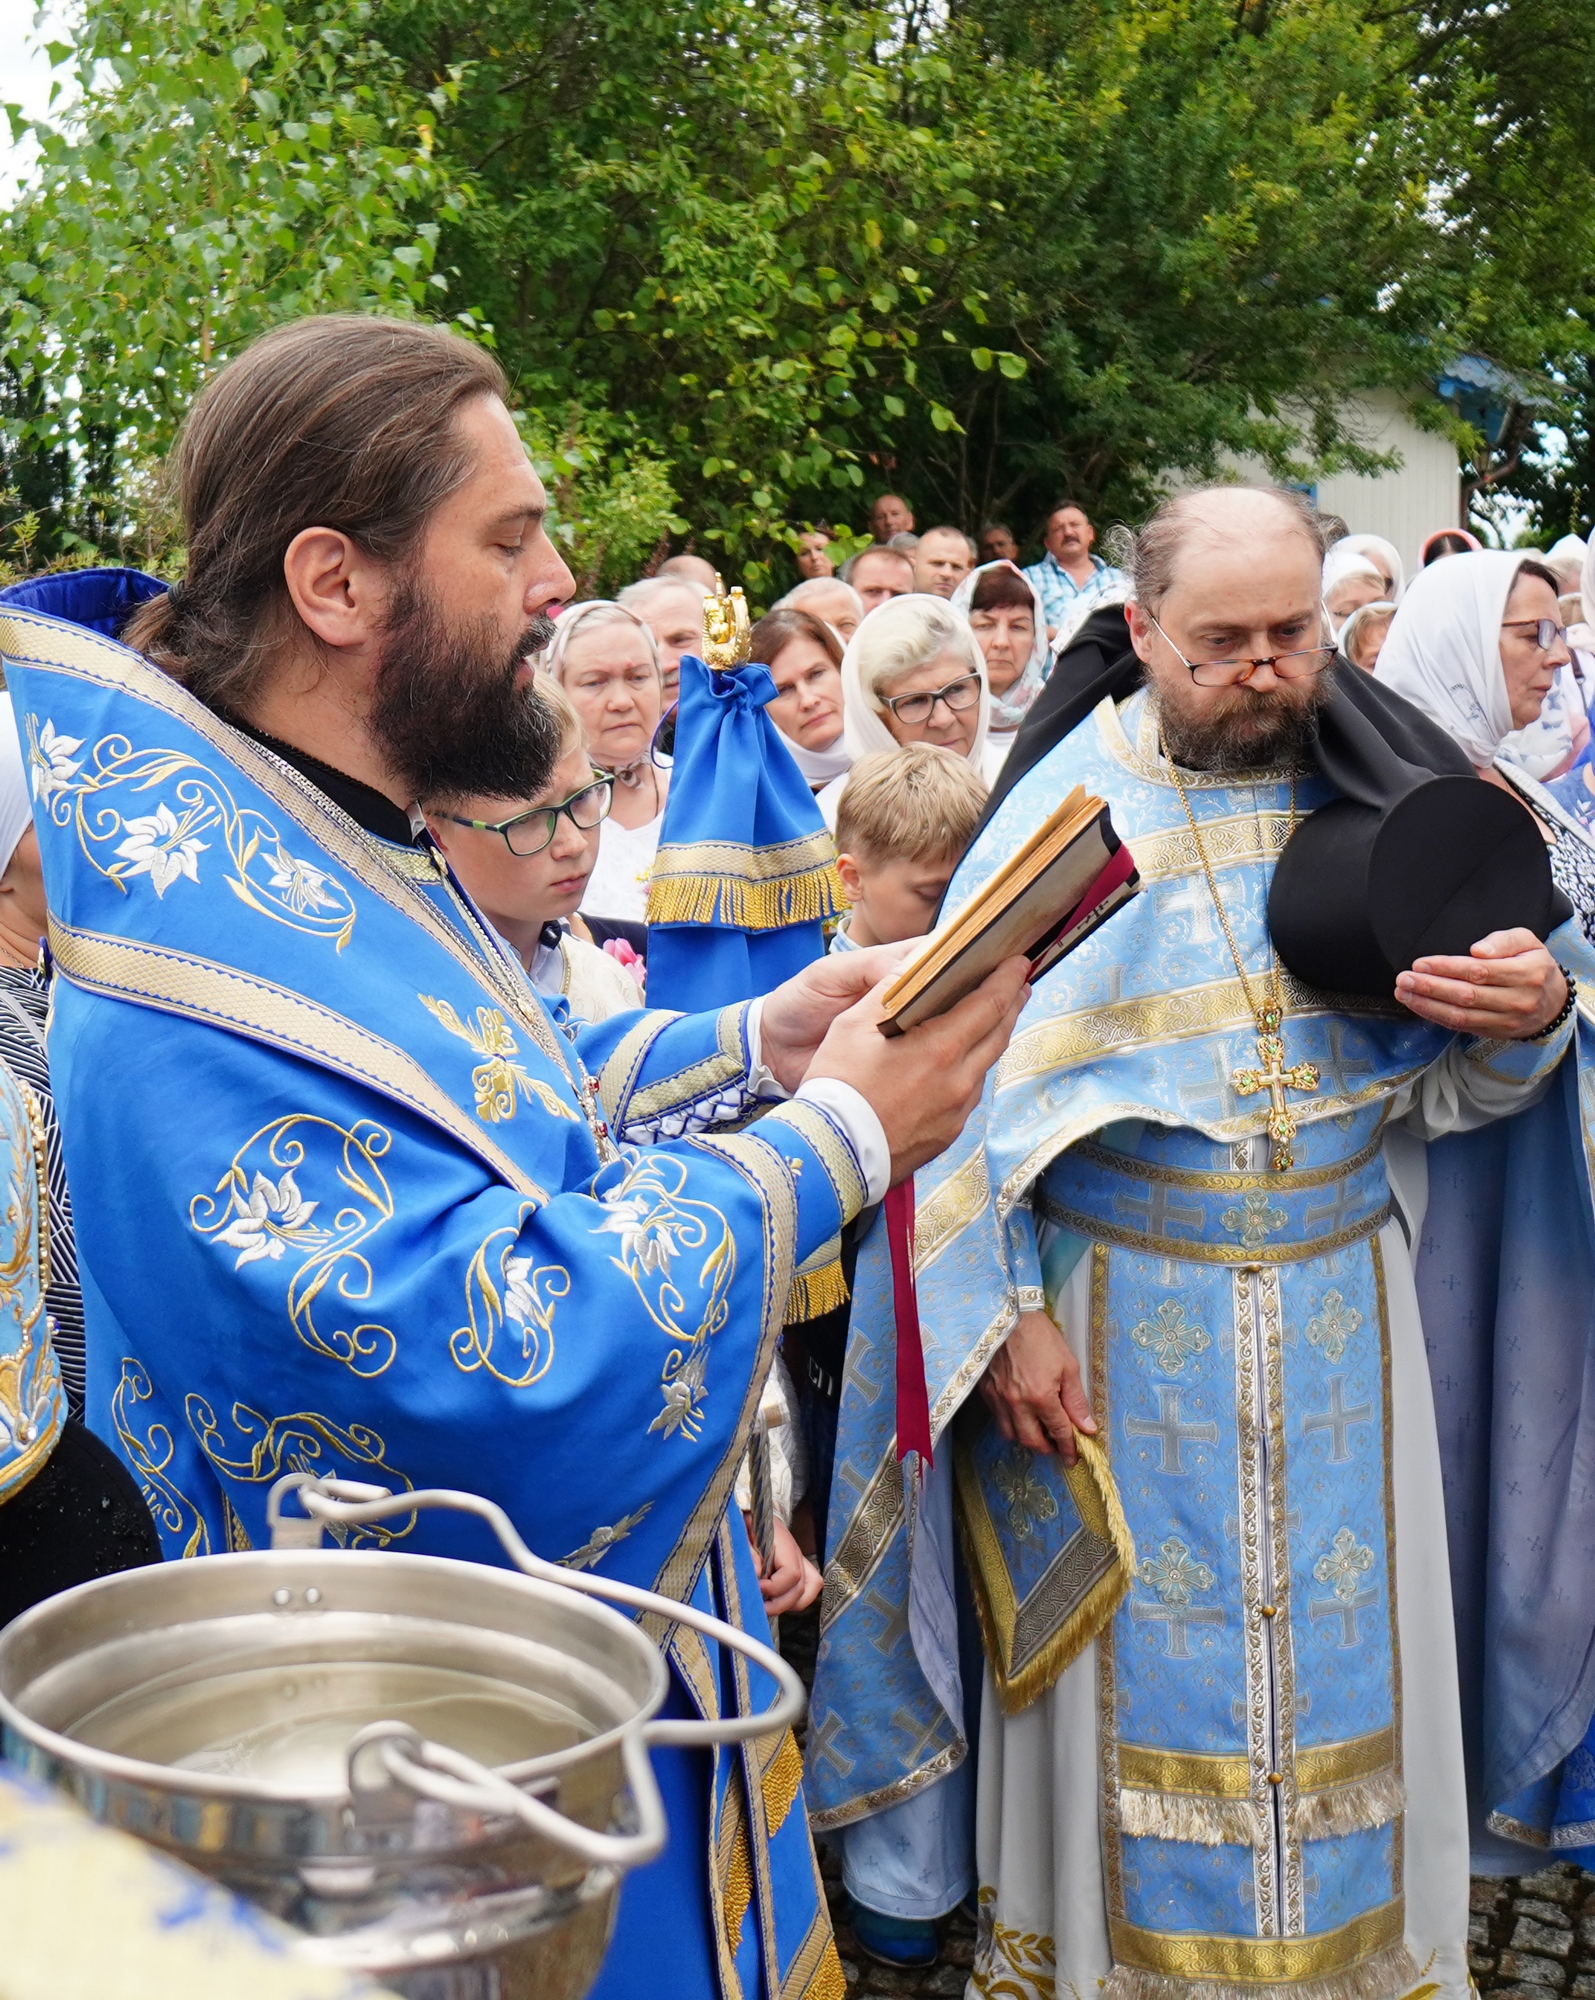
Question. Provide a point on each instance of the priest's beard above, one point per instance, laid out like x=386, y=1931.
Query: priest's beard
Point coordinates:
x=453, y=714
x=1231, y=729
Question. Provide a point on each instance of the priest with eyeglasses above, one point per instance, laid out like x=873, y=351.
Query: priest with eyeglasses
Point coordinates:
x=1181, y=1409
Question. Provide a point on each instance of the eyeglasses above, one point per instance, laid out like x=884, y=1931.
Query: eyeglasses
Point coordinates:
x=958, y=695
x=529, y=833
x=1298, y=666
x=1547, y=633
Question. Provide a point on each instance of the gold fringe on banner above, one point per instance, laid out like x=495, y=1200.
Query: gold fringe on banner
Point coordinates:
x=746, y=888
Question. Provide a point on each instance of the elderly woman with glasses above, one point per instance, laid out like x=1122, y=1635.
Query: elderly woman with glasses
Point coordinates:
x=606, y=658
x=914, y=673
x=525, y=864
x=1478, y=644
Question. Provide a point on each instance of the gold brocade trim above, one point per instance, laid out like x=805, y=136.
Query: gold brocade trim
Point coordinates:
x=1020, y=1680
x=771, y=1180
x=964, y=1194
x=1091, y=1032
x=728, y=1065
x=1282, y=1626
x=752, y=864
x=1515, y=1829
x=814, y=1293
x=619, y=1074
x=1183, y=1250
x=1221, y=1777
x=1293, y=1181
x=202, y=989
x=782, y=1781
x=1252, y=1557
x=750, y=1761
x=1397, y=1770
x=1258, y=1961
x=894, y=1794
x=829, y=1981
x=103, y=663
x=836, y=1154
x=876, y=1519
x=1230, y=843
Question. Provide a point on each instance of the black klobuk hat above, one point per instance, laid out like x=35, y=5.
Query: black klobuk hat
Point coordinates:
x=1419, y=857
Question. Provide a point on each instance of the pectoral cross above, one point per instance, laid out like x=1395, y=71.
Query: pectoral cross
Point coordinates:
x=1273, y=1076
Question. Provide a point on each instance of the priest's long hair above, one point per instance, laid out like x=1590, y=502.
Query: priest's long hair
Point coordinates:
x=339, y=421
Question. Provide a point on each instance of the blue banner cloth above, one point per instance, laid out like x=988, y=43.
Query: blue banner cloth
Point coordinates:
x=745, y=880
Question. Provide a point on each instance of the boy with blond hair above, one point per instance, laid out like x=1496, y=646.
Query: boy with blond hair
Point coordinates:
x=902, y=824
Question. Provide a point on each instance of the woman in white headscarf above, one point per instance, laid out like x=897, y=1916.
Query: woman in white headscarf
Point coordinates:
x=914, y=673
x=1009, y=622
x=606, y=659
x=1351, y=580
x=1477, y=644
x=1384, y=556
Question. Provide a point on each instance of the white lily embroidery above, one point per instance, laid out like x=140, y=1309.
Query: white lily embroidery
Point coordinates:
x=520, y=1301
x=300, y=886
x=156, y=847
x=52, y=761
x=645, y=1236
x=253, y=1233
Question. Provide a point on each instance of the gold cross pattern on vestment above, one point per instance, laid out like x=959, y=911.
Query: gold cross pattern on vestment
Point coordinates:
x=1276, y=1078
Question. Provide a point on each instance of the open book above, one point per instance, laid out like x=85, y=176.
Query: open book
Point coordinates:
x=1070, y=875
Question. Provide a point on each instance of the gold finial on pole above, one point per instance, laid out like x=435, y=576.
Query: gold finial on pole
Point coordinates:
x=726, y=627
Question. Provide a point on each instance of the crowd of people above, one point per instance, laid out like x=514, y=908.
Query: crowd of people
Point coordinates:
x=449, y=860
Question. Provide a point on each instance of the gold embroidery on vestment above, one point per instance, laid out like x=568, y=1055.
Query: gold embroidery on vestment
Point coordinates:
x=150, y=1452
x=496, y=1079
x=266, y=1216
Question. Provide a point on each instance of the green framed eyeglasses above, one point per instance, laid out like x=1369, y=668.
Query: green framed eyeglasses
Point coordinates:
x=528, y=833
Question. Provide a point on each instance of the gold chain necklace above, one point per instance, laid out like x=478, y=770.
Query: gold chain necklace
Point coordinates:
x=1272, y=1073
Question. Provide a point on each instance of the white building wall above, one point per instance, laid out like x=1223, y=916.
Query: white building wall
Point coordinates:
x=1403, y=506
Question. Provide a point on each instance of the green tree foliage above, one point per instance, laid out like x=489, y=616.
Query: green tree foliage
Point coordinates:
x=231, y=165
x=748, y=264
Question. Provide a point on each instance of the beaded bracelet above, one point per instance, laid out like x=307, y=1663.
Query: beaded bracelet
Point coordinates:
x=1562, y=1012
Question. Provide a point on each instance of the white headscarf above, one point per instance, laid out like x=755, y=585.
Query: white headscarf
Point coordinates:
x=894, y=638
x=1443, y=649
x=16, y=810
x=921, y=626
x=1384, y=556
x=1009, y=708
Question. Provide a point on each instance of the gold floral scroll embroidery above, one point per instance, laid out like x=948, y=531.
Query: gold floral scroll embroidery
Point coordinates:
x=149, y=1451
x=660, y=1228
x=287, y=1191
x=264, y=1448
x=496, y=1079
x=503, y=1291
x=164, y=844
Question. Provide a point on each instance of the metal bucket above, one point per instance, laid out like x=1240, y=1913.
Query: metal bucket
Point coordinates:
x=436, y=1771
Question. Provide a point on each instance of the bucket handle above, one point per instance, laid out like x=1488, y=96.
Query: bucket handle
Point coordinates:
x=348, y=1503
x=453, y=1779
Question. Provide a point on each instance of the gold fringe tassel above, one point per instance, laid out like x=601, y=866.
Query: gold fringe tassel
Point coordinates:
x=1381, y=1976
x=1216, y=1822
x=1186, y=1816
x=816, y=1292
x=1096, y=1497
x=812, y=897
x=1370, y=1801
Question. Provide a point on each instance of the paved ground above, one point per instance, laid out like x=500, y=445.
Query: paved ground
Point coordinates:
x=1530, y=1938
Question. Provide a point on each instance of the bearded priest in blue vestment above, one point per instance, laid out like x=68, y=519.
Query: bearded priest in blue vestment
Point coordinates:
x=350, y=1196
x=1180, y=1399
